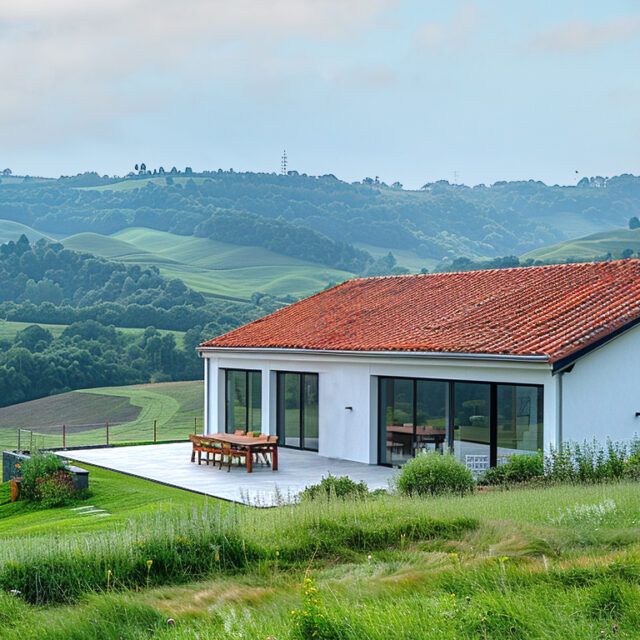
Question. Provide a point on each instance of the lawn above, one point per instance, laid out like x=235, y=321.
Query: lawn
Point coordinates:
x=123, y=497
x=215, y=268
x=130, y=411
x=560, y=562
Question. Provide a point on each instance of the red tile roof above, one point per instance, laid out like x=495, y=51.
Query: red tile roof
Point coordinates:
x=552, y=311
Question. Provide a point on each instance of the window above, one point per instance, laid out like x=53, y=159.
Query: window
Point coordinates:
x=298, y=410
x=243, y=400
x=482, y=422
x=519, y=419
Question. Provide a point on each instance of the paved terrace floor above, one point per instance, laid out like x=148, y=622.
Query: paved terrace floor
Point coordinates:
x=170, y=464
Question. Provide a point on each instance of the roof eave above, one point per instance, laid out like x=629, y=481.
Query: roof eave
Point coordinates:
x=448, y=355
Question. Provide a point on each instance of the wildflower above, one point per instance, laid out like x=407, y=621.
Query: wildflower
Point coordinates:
x=453, y=555
x=369, y=557
x=277, y=553
x=15, y=592
x=171, y=621
x=452, y=595
x=293, y=612
x=468, y=599
x=614, y=628
x=149, y=563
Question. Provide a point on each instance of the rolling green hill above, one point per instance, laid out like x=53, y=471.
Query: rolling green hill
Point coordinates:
x=10, y=230
x=214, y=268
x=589, y=247
x=9, y=329
x=130, y=411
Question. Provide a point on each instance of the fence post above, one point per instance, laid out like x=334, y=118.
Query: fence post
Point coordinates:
x=155, y=430
x=19, y=438
x=64, y=436
x=195, y=424
x=106, y=426
x=31, y=443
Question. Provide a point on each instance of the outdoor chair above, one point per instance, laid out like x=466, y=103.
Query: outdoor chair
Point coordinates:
x=201, y=446
x=227, y=455
x=239, y=432
x=266, y=450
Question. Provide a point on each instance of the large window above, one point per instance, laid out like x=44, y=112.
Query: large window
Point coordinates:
x=298, y=410
x=243, y=400
x=482, y=422
x=414, y=417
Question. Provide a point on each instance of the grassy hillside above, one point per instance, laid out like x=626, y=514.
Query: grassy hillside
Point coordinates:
x=130, y=411
x=211, y=267
x=595, y=245
x=9, y=329
x=529, y=563
x=10, y=230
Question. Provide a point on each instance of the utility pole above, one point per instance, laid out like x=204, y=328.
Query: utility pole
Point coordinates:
x=283, y=163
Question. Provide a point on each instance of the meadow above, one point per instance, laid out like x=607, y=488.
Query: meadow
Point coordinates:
x=555, y=562
x=213, y=268
x=590, y=247
x=130, y=410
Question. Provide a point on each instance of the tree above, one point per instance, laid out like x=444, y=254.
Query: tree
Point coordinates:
x=396, y=185
x=6, y=172
x=634, y=223
x=143, y=167
x=627, y=253
x=136, y=167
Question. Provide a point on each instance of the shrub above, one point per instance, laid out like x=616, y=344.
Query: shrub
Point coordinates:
x=56, y=490
x=519, y=468
x=39, y=466
x=332, y=487
x=432, y=474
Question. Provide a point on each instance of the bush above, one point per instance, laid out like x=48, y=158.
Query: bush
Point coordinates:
x=38, y=467
x=57, y=489
x=433, y=474
x=332, y=487
x=519, y=468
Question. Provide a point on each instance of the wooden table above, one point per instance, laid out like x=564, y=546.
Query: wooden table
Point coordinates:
x=249, y=443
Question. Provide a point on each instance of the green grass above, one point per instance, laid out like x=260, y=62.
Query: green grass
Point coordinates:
x=123, y=497
x=9, y=329
x=10, y=230
x=493, y=565
x=139, y=183
x=211, y=267
x=129, y=410
x=589, y=247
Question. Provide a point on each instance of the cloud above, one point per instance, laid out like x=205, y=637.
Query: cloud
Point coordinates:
x=579, y=36
x=435, y=37
x=74, y=64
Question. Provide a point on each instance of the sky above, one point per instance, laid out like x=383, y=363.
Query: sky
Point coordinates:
x=410, y=91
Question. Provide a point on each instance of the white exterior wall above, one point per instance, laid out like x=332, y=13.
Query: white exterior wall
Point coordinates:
x=350, y=380
x=602, y=393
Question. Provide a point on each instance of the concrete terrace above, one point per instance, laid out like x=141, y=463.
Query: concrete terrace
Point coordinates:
x=170, y=464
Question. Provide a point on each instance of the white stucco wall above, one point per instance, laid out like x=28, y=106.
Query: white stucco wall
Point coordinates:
x=351, y=381
x=601, y=395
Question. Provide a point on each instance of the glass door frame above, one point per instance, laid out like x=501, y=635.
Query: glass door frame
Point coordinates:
x=493, y=410
x=280, y=410
x=227, y=371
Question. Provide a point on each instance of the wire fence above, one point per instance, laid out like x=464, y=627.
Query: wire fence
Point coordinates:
x=65, y=436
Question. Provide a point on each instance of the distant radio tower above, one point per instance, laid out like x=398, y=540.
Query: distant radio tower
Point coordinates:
x=283, y=163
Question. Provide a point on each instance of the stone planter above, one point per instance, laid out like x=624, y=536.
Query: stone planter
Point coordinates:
x=11, y=461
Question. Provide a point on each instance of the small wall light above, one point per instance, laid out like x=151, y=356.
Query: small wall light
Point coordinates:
x=351, y=409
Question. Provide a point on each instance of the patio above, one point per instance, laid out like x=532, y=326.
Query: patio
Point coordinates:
x=170, y=464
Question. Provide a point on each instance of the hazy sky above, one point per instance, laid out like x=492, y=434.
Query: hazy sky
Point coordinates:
x=408, y=90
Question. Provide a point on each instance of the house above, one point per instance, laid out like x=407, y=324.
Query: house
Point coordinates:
x=486, y=363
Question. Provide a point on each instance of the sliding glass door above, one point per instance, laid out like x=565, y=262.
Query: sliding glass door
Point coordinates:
x=481, y=422
x=243, y=400
x=414, y=417
x=297, y=412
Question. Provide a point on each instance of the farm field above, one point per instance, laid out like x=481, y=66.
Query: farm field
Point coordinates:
x=213, y=268
x=555, y=563
x=9, y=329
x=129, y=410
x=588, y=247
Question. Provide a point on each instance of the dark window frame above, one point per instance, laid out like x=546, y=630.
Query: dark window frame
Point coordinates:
x=493, y=410
x=246, y=383
x=280, y=409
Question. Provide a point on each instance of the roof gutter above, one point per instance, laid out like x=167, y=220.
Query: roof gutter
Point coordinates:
x=444, y=355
